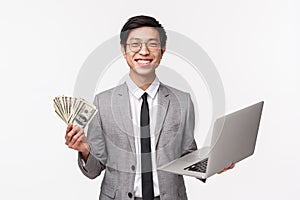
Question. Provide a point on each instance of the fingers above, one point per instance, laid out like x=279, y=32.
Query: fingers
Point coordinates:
x=76, y=138
x=82, y=146
x=69, y=127
x=230, y=167
x=71, y=132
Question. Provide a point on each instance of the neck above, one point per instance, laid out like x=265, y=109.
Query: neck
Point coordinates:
x=142, y=82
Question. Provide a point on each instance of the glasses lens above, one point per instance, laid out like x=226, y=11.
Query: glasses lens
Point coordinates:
x=135, y=46
x=151, y=46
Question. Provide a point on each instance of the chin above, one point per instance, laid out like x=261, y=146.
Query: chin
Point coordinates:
x=144, y=70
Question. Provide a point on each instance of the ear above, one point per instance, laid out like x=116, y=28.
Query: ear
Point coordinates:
x=163, y=50
x=123, y=50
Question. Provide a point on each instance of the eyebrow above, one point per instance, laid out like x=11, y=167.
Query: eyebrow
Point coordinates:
x=141, y=39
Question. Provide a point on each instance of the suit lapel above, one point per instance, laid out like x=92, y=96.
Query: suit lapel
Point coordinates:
x=163, y=106
x=122, y=113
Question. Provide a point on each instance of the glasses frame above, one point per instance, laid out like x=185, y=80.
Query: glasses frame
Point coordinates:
x=146, y=45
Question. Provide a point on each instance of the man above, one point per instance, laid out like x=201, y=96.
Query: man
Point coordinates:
x=140, y=124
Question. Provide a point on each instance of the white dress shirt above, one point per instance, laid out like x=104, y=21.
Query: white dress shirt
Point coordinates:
x=135, y=97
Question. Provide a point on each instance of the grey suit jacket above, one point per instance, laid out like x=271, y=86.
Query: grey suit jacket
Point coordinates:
x=111, y=139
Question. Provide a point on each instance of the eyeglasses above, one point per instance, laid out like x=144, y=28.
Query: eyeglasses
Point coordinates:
x=137, y=46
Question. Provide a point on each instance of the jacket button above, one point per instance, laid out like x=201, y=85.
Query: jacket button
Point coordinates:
x=129, y=194
x=132, y=167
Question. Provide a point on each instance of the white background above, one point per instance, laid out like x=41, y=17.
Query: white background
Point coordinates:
x=43, y=44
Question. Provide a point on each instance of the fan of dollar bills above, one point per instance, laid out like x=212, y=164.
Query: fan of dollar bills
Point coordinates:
x=74, y=110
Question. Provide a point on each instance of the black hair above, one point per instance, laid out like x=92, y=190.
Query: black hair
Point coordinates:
x=140, y=21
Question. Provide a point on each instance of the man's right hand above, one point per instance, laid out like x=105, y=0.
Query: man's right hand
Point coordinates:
x=76, y=139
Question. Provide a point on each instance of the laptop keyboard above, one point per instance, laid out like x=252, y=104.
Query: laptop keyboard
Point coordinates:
x=199, y=166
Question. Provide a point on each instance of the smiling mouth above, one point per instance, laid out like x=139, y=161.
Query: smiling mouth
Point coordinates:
x=143, y=61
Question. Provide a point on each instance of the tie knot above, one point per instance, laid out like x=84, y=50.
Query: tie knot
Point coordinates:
x=144, y=97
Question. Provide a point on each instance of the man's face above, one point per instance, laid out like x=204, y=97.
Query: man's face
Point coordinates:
x=143, y=51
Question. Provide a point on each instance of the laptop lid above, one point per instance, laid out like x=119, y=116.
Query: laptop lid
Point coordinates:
x=234, y=137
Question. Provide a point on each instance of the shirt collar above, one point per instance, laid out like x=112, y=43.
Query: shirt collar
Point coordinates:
x=138, y=92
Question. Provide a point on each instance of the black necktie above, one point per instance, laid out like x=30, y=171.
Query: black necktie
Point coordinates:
x=146, y=162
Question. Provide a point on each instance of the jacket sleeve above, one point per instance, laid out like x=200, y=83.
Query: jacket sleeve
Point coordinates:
x=188, y=142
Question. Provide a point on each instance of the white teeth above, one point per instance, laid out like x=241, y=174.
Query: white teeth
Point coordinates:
x=143, y=61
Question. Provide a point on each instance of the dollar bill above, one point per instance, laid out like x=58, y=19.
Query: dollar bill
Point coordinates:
x=84, y=115
x=74, y=110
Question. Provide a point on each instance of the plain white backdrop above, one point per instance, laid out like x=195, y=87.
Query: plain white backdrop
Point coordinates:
x=43, y=44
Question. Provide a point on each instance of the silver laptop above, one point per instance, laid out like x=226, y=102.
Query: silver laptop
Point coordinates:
x=233, y=139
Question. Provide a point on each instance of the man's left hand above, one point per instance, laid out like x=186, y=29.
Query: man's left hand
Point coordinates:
x=230, y=167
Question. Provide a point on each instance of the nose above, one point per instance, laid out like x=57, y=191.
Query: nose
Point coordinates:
x=144, y=49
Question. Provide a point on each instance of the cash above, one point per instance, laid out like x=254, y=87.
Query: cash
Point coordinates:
x=74, y=110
